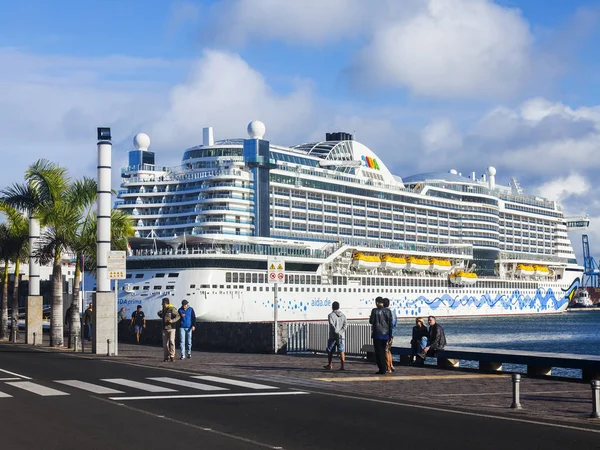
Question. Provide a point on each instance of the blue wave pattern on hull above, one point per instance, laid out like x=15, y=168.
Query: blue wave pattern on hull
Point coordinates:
x=516, y=303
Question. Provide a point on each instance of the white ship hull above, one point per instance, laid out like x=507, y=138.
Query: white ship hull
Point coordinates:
x=253, y=302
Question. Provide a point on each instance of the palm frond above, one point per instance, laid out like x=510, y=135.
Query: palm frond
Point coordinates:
x=49, y=179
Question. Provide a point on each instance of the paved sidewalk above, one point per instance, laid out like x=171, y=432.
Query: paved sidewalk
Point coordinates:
x=544, y=400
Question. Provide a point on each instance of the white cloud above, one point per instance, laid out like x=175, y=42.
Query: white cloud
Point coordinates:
x=451, y=48
x=306, y=21
x=441, y=135
x=560, y=188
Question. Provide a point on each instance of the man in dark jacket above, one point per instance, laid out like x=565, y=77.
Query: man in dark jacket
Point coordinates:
x=382, y=322
x=170, y=317
x=437, y=338
x=187, y=325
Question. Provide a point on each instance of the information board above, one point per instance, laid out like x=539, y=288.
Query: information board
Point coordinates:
x=276, y=270
x=117, y=266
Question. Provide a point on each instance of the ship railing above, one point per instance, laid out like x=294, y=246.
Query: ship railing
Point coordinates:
x=183, y=176
x=233, y=249
x=313, y=336
x=531, y=257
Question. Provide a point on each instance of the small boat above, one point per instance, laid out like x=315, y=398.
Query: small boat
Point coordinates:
x=389, y=262
x=362, y=261
x=541, y=271
x=416, y=264
x=440, y=265
x=463, y=278
x=582, y=299
x=524, y=270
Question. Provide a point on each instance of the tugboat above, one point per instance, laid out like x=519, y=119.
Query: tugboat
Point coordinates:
x=582, y=299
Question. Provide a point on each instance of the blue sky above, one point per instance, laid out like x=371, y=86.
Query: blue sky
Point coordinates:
x=427, y=84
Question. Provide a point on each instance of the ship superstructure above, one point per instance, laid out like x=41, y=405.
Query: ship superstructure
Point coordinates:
x=435, y=243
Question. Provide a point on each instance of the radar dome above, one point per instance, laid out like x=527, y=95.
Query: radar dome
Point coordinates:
x=256, y=129
x=491, y=170
x=453, y=171
x=141, y=141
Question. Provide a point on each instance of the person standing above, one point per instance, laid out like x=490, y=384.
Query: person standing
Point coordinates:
x=121, y=315
x=388, y=346
x=437, y=338
x=381, y=325
x=138, y=321
x=187, y=325
x=170, y=317
x=88, y=319
x=337, y=335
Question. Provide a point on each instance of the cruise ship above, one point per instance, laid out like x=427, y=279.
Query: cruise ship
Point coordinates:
x=346, y=229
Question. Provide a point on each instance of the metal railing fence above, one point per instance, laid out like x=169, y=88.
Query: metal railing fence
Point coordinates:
x=312, y=337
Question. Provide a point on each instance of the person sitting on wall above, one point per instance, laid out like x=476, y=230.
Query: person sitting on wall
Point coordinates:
x=420, y=334
x=437, y=338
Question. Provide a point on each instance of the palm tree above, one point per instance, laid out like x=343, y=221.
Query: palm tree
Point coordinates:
x=5, y=251
x=43, y=195
x=18, y=228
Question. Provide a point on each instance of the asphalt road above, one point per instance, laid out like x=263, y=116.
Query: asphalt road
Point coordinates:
x=45, y=403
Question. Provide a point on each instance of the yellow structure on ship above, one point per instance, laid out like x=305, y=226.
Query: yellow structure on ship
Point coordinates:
x=440, y=265
x=415, y=264
x=363, y=261
x=390, y=262
x=462, y=278
x=524, y=270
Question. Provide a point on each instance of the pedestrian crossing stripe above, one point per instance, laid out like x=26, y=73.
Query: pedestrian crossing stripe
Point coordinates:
x=38, y=389
x=45, y=391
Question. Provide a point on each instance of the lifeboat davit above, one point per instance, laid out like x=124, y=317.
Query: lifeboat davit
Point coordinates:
x=524, y=270
x=417, y=264
x=362, y=261
x=463, y=278
x=389, y=262
x=541, y=271
x=440, y=265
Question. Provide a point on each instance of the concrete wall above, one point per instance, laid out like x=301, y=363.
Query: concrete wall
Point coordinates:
x=255, y=337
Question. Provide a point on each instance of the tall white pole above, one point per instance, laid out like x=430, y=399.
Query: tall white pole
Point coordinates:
x=34, y=265
x=34, y=314
x=104, y=200
x=275, y=325
x=103, y=325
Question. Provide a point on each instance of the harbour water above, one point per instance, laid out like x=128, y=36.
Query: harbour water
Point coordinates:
x=573, y=332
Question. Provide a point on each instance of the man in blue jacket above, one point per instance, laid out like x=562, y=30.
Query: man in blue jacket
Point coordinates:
x=187, y=325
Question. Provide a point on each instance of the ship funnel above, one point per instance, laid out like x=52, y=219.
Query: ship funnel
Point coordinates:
x=207, y=136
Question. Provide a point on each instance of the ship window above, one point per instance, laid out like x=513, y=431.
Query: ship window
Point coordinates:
x=157, y=288
x=267, y=289
x=128, y=275
x=173, y=275
x=204, y=286
x=284, y=289
x=170, y=288
x=313, y=279
x=301, y=279
x=260, y=289
x=139, y=275
x=221, y=286
x=136, y=288
x=228, y=286
x=235, y=277
x=328, y=289
x=214, y=286
x=296, y=289
x=228, y=277
x=159, y=275
x=318, y=279
x=192, y=286
x=254, y=288
x=255, y=278
x=248, y=288
x=313, y=289
x=301, y=289
x=261, y=277
x=146, y=288
x=296, y=279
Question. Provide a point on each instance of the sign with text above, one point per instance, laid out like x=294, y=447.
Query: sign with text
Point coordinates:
x=117, y=267
x=275, y=270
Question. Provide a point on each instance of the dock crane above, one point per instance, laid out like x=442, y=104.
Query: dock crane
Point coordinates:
x=591, y=272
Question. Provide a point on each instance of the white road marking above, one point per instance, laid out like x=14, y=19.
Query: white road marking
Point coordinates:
x=96, y=389
x=3, y=395
x=190, y=384
x=36, y=388
x=234, y=394
x=137, y=385
x=244, y=384
x=10, y=379
x=23, y=377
